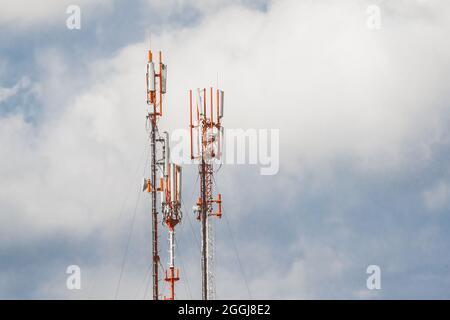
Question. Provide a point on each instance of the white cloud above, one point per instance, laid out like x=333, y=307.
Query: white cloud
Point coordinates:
x=336, y=89
x=166, y=7
x=6, y=93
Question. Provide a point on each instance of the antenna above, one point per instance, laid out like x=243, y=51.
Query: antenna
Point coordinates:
x=205, y=147
x=156, y=88
x=217, y=79
x=149, y=35
x=171, y=217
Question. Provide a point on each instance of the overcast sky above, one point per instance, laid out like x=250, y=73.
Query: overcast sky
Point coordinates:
x=364, y=120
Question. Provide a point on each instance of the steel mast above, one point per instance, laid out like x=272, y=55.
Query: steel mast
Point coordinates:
x=172, y=216
x=205, y=134
x=156, y=87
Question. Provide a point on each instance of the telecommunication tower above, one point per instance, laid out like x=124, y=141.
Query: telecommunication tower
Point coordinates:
x=171, y=204
x=156, y=88
x=206, y=134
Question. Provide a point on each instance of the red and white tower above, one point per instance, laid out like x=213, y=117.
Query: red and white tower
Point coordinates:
x=171, y=205
x=156, y=88
x=206, y=134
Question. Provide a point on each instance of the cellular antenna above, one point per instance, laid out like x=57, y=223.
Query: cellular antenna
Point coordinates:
x=206, y=133
x=156, y=88
x=172, y=216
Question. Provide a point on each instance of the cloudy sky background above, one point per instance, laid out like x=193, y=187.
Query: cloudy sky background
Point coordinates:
x=364, y=121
